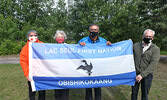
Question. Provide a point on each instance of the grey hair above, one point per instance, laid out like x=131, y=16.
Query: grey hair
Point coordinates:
x=60, y=32
x=30, y=32
x=149, y=30
x=93, y=25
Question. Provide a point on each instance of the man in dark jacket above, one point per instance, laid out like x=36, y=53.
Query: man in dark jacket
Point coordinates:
x=146, y=56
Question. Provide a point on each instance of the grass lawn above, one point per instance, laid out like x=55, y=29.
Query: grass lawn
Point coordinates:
x=163, y=52
x=13, y=86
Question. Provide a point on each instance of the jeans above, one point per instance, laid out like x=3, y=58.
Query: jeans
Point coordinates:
x=62, y=94
x=145, y=87
x=32, y=94
x=97, y=92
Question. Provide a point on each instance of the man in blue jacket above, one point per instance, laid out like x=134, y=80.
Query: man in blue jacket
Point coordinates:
x=93, y=38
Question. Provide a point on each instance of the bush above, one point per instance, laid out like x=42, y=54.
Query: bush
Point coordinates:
x=9, y=47
x=163, y=52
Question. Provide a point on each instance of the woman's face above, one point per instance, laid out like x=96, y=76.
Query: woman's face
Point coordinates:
x=60, y=38
x=32, y=37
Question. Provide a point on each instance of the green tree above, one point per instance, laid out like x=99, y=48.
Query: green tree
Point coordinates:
x=7, y=29
x=117, y=20
x=8, y=8
x=58, y=19
x=153, y=15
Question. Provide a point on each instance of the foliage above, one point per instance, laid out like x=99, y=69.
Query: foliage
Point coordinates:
x=8, y=29
x=115, y=19
x=163, y=52
x=118, y=19
x=153, y=15
x=9, y=47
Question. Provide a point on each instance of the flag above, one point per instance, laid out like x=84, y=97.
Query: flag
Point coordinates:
x=69, y=66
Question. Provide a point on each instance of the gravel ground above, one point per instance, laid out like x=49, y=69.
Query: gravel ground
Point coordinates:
x=12, y=59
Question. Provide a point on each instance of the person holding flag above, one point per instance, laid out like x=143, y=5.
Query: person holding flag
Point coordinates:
x=93, y=38
x=61, y=94
x=146, y=58
x=32, y=36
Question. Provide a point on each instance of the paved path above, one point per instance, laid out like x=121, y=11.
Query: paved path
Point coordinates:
x=163, y=59
x=15, y=59
x=9, y=59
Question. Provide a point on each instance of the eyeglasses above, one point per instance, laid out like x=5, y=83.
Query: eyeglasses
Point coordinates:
x=32, y=35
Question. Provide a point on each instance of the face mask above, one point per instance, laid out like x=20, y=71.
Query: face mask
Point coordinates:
x=33, y=38
x=147, y=40
x=93, y=34
x=60, y=40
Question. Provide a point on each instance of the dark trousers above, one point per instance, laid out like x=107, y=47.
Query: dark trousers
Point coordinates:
x=97, y=92
x=145, y=87
x=62, y=94
x=41, y=95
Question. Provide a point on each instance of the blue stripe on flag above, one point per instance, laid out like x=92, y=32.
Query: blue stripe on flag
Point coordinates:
x=44, y=83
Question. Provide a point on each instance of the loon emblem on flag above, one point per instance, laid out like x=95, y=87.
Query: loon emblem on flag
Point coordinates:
x=86, y=67
x=71, y=66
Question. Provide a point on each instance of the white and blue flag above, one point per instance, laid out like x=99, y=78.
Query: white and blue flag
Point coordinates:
x=69, y=66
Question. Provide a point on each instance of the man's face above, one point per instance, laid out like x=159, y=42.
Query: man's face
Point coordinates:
x=93, y=32
x=149, y=34
x=94, y=28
